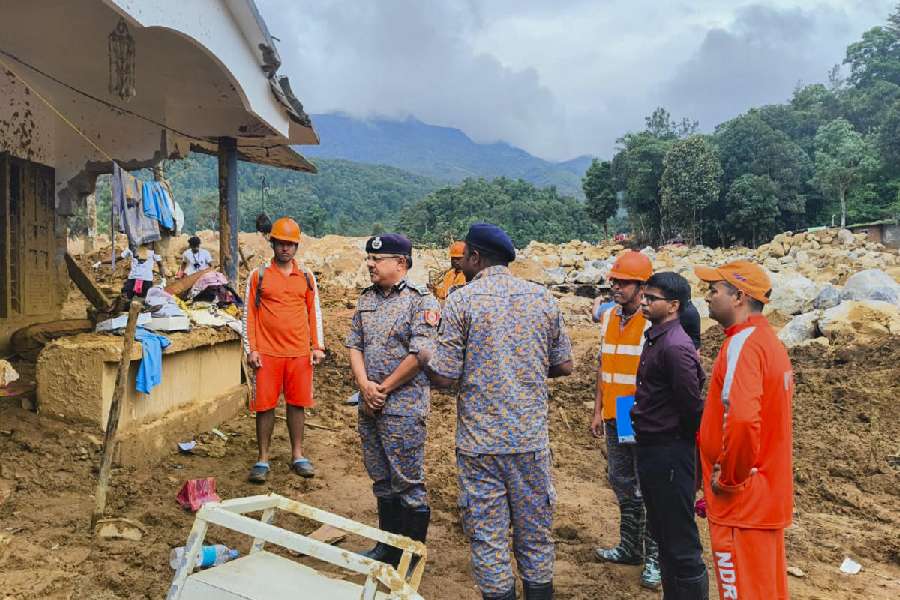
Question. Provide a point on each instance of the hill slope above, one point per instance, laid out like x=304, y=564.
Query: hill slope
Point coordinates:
x=441, y=153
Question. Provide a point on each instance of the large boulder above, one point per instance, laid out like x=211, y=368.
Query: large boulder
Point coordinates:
x=792, y=294
x=846, y=237
x=859, y=322
x=590, y=274
x=556, y=276
x=872, y=284
x=800, y=329
x=828, y=297
x=528, y=269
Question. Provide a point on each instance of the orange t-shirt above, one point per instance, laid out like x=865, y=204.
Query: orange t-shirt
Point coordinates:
x=747, y=425
x=289, y=319
x=452, y=279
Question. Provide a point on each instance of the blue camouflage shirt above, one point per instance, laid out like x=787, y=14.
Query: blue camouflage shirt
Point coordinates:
x=499, y=336
x=386, y=328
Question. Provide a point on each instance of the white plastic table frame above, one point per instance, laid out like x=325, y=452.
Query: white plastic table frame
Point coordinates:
x=230, y=514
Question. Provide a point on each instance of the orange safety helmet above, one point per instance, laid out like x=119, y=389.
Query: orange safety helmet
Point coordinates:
x=632, y=266
x=457, y=249
x=285, y=229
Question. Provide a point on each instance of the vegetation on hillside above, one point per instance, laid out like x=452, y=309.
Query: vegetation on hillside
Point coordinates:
x=831, y=154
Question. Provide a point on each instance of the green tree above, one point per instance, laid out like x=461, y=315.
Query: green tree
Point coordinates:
x=843, y=159
x=689, y=184
x=751, y=209
x=598, y=189
x=876, y=57
x=638, y=168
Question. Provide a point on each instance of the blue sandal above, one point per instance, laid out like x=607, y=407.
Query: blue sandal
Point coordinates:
x=303, y=467
x=259, y=473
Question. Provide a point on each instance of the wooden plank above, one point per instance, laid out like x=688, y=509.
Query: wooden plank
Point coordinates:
x=87, y=286
x=115, y=409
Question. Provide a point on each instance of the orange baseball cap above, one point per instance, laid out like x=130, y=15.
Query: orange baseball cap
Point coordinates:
x=746, y=276
x=457, y=249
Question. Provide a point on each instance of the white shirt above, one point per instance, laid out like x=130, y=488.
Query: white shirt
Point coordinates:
x=196, y=262
x=141, y=269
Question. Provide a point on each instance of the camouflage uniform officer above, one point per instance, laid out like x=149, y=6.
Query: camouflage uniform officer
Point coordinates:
x=394, y=320
x=501, y=338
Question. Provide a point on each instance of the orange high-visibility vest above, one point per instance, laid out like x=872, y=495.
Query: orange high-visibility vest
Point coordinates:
x=452, y=279
x=620, y=356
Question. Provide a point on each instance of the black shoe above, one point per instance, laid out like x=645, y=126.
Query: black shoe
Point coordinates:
x=693, y=588
x=510, y=595
x=390, y=520
x=538, y=591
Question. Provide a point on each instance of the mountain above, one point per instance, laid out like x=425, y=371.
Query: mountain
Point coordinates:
x=441, y=153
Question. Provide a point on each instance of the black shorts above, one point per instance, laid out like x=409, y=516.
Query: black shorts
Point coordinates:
x=128, y=289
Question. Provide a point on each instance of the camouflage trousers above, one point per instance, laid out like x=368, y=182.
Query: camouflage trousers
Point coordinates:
x=499, y=490
x=621, y=466
x=393, y=450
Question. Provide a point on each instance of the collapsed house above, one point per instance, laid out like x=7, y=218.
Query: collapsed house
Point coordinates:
x=129, y=83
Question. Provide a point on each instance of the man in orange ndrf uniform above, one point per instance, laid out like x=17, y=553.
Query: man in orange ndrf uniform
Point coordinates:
x=454, y=278
x=283, y=339
x=745, y=438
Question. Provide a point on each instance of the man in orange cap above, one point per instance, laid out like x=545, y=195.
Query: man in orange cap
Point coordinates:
x=622, y=328
x=283, y=339
x=454, y=278
x=745, y=438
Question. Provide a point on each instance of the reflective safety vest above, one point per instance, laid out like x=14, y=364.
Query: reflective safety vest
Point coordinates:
x=620, y=356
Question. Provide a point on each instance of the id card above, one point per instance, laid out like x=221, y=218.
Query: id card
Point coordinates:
x=623, y=419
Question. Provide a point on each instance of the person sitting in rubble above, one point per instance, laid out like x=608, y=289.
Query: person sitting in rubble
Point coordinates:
x=140, y=277
x=194, y=259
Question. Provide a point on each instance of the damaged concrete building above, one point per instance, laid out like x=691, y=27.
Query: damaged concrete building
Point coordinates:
x=87, y=83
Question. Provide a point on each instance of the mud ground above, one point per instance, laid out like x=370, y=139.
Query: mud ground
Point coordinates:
x=847, y=431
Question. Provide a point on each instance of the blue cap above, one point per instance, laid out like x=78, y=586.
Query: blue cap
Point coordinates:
x=492, y=239
x=389, y=243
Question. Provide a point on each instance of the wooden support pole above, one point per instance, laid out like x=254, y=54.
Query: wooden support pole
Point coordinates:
x=91, y=204
x=228, y=209
x=87, y=286
x=115, y=409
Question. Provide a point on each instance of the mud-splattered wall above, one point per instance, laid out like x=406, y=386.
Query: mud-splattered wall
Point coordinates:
x=26, y=124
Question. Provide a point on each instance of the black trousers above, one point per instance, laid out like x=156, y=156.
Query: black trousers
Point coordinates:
x=666, y=474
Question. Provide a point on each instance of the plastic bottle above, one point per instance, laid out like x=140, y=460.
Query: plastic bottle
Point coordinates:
x=210, y=556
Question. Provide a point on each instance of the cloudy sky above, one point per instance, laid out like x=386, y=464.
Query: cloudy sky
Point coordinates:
x=559, y=78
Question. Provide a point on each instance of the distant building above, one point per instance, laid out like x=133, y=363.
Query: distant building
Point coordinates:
x=885, y=232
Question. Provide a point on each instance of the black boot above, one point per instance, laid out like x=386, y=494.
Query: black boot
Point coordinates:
x=693, y=588
x=390, y=520
x=415, y=526
x=538, y=591
x=629, y=550
x=509, y=595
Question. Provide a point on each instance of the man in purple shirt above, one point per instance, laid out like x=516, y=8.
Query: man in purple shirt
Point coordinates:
x=665, y=417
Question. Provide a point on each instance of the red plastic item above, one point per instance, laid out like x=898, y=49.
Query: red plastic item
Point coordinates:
x=197, y=492
x=700, y=508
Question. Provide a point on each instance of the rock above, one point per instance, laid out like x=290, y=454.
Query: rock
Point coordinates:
x=800, y=329
x=589, y=274
x=796, y=572
x=701, y=306
x=7, y=374
x=792, y=294
x=120, y=529
x=776, y=249
x=872, y=284
x=859, y=322
x=828, y=297
x=548, y=261
x=846, y=238
x=556, y=276
x=528, y=269
x=821, y=342
x=569, y=260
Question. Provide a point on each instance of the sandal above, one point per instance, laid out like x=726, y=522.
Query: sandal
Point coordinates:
x=303, y=467
x=259, y=473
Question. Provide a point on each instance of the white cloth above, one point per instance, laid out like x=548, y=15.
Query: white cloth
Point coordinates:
x=196, y=262
x=141, y=269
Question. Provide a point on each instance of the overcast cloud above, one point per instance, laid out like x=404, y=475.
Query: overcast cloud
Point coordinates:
x=559, y=78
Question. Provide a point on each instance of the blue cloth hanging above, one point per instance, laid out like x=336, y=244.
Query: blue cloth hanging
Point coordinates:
x=149, y=374
x=156, y=204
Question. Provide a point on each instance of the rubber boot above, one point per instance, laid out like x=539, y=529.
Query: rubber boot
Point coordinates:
x=415, y=526
x=509, y=595
x=651, y=576
x=390, y=520
x=629, y=549
x=538, y=591
x=693, y=588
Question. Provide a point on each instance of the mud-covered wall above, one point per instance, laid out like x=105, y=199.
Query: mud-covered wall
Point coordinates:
x=32, y=269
